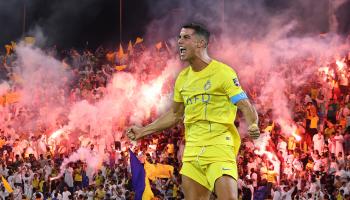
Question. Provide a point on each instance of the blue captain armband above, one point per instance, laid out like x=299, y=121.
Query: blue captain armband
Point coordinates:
x=238, y=97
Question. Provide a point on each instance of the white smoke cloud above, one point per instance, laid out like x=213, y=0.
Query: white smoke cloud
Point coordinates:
x=42, y=79
x=93, y=160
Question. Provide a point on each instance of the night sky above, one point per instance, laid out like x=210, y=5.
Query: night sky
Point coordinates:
x=73, y=23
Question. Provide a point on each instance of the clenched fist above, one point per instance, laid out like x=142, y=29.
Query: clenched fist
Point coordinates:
x=254, y=131
x=134, y=133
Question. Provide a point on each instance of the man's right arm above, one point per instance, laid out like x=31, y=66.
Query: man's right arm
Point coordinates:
x=167, y=120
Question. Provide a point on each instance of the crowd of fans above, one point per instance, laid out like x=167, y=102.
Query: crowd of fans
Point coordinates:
x=314, y=166
x=314, y=162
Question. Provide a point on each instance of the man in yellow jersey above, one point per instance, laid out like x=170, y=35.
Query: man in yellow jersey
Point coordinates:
x=206, y=96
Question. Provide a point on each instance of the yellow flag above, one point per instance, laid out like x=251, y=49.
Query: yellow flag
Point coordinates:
x=2, y=142
x=110, y=56
x=13, y=44
x=154, y=171
x=2, y=100
x=29, y=40
x=120, y=67
x=120, y=53
x=12, y=97
x=138, y=40
x=164, y=171
x=8, y=49
x=147, y=193
x=6, y=184
x=159, y=45
x=150, y=170
x=270, y=127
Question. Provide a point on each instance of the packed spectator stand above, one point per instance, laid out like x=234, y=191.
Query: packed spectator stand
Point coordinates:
x=314, y=166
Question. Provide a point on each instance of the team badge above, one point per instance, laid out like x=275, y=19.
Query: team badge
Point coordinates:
x=207, y=85
x=236, y=82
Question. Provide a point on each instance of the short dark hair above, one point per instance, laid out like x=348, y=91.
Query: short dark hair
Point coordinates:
x=198, y=29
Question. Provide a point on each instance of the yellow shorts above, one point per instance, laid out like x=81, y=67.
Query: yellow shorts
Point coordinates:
x=208, y=163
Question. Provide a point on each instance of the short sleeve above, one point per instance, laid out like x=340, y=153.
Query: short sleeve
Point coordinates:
x=177, y=89
x=232, y=87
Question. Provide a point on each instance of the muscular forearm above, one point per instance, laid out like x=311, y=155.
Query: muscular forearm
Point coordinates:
x=249, y=112
x=167, y=120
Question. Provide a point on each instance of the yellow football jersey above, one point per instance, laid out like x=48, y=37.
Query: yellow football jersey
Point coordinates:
x=209, y=97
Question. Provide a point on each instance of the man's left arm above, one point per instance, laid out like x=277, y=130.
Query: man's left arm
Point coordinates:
x=239, y=98
x=251, y=117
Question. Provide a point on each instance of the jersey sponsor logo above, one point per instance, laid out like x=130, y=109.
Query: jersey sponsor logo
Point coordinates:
x=224, y=168
x=204, y=98
x=236, y=82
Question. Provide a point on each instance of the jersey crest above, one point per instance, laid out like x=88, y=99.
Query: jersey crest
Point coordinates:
x=207, y=85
